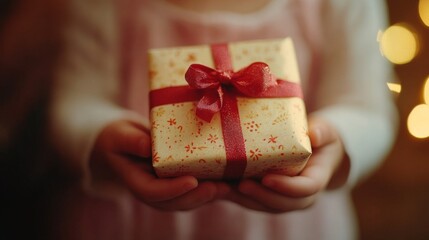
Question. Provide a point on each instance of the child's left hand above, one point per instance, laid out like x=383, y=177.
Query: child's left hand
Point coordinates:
x=328, y=167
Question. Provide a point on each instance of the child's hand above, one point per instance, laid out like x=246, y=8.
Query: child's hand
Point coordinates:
x=123, y=148
x=327, y=167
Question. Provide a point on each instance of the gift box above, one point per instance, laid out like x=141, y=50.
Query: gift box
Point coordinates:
x=227, y=111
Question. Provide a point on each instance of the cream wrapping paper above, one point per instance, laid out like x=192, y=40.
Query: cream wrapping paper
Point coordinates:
x=274, y=129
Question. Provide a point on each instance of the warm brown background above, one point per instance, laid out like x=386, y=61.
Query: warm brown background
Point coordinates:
x=394, y=203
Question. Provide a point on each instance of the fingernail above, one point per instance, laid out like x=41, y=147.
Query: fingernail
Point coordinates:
x=189, y=185
x=267, y=182
x=317, y=135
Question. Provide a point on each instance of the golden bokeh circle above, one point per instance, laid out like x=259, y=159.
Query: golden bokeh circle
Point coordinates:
x=399, y=44
x=426, y=91
x=424, y=11
x=418, y=121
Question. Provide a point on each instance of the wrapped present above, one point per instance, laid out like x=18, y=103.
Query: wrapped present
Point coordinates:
x=227, y=111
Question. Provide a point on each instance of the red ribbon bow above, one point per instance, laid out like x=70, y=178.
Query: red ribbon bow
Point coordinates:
x=251, y=81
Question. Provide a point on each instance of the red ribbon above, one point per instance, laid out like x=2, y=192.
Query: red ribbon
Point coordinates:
x=216, y=91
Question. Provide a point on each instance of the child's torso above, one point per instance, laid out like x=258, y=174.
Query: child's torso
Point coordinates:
x=169, y=23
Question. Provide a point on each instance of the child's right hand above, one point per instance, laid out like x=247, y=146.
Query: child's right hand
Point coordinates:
x=124, y=148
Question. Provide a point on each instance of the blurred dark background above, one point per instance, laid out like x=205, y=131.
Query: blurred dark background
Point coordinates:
x=29, y=49
x=392, y=204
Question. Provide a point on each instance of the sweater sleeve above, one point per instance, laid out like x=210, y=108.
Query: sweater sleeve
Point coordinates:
x=85, y=95
x=353, y=95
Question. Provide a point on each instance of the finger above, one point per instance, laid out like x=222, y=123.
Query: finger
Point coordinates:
x=145, y=124
x=223, y=189
x=311, y=180
x=294, y=187
x=245, y=201
x=147, y=186
x=320, y=132
x=274, y=200
x=204, y=193
x=297, y=186
x=133, y=139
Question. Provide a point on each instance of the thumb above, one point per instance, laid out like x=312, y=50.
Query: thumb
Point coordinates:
x=133, y=139
x=321, y=132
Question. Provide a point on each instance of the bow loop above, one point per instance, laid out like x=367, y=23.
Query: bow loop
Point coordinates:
x=254, y=79
x=202, y=77
x=251, y=81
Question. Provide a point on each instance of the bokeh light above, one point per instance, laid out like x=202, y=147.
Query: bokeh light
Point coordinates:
x=426, y=91
x=398, y=44
x=424, y=11
x=394, y=87
x=418, y=121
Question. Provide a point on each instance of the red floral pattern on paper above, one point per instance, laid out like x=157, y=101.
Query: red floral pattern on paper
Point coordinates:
x=280, y=119
x=212, y=138
x=199, y=127
x=255, y=154
x=272, y=139
x=265, y=108
x=190, y=148
x=160, y=112
x=252, y=115
x=155, y=125
x=191, y=57
x=180, y=128
x=172, y=121
x=252, y=126
x=155, y=157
